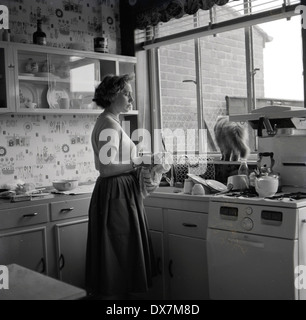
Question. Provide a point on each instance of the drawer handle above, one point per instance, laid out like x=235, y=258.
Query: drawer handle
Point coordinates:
x=67, y=209
x=30, y=215
x=190, y=225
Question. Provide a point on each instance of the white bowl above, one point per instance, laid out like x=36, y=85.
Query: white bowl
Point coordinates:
x=198, y=190
x=65, y=185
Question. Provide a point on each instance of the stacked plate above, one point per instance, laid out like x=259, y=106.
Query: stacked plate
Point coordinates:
x=213, y=185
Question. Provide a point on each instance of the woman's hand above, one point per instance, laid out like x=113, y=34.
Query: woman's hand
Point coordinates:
x=146, y=161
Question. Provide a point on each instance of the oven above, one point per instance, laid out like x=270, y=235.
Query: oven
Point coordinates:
x=254, y=246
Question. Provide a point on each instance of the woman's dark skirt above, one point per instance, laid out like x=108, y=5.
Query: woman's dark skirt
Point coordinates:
x=119, y=257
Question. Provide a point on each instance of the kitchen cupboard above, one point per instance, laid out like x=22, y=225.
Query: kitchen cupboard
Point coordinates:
x=23, y=237
x=183, y=255
x=49, y=236
x=43, y=80
x=187, y=257
x=71, y=239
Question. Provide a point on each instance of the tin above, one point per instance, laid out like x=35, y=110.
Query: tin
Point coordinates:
x=101, y=44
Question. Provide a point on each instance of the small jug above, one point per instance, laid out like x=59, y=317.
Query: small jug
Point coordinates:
x=266, y=186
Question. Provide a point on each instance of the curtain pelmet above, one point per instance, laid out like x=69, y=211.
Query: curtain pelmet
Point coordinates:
x=173, y=9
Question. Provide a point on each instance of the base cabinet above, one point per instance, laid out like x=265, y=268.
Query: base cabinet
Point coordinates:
x=26, y=248
x=188, y=279
x=182, y=237
x=71, y=239
x=49, y=238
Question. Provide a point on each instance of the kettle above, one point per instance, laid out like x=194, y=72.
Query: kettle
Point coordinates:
x=266, y=186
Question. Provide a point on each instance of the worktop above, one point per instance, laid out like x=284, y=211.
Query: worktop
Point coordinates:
x=7, y=204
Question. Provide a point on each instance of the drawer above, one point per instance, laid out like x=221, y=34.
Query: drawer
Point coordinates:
x=191, y=224
x=25, y=216
x=155, y=218
x=69, y=209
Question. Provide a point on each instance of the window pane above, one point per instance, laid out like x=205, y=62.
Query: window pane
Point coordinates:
x=223, y=77
x=280, y=77
x=179, y=95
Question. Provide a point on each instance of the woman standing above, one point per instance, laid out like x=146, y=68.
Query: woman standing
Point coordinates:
x=119, y=256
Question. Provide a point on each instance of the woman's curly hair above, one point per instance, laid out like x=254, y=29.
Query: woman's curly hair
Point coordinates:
x=109, y=88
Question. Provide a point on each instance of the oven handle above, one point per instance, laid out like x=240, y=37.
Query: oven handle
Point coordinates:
x=246, y=242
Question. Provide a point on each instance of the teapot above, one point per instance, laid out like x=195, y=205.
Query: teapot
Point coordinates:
x=266, y=186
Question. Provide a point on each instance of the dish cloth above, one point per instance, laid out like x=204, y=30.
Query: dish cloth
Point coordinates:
x=149, y=178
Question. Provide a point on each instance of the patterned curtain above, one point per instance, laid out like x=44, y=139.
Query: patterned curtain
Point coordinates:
x=172, y=9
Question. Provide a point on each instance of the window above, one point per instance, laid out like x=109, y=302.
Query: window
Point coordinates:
x=230, y=70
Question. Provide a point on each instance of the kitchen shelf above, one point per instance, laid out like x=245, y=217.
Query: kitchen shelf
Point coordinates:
x=43, y=79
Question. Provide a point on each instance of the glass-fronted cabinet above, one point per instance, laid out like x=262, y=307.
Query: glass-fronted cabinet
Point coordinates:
x=6, y=78
x=43, y=79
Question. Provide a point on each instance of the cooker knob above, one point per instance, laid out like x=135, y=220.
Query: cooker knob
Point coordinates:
x=248, y=210
x=247, y=224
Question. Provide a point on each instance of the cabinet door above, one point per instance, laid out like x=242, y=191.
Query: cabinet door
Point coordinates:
x=27, y=248
x=71, y=239
x=187, y=268
x=53, y=81
x=156, y=292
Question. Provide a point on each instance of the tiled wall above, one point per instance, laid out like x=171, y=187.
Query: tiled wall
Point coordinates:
x=66, y=21
x=39, y=149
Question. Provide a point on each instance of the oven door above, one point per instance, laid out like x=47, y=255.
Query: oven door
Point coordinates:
x=243, y=266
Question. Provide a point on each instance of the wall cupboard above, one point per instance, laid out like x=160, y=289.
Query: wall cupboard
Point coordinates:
x=46, y=80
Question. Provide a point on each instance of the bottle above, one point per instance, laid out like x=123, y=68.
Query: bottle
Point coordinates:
x=243, y=169
x=39, y=37
x=6, y=36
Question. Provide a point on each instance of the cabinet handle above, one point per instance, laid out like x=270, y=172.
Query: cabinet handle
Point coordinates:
x=42, y=262
x=170, y=268
x=67, y=209
x=11, y=66
x=30, y=215
x=190, y=225
x=61, y=262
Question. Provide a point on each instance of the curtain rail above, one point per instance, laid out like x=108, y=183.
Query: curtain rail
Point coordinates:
x=225, y=26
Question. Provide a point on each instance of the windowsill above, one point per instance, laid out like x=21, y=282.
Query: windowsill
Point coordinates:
x=252, y=159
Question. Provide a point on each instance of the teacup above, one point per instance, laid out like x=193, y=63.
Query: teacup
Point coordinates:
x=31, y=105
x=266, y=186
x=75, y=103
x=64, y=103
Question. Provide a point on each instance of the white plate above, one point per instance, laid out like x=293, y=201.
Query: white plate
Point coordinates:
x=27, y=93
x=54, y=95
x=197, y=179
x=216, y=185
x=212, y=184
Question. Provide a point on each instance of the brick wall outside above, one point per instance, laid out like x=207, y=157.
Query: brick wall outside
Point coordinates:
x=223, y=74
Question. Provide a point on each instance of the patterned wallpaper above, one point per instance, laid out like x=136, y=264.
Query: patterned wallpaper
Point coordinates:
x=66, y=21
x=39, y=149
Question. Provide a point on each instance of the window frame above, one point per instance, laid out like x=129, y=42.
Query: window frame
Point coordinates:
x=247, y=22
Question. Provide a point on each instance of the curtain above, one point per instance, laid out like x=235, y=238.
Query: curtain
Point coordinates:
x=172, y=9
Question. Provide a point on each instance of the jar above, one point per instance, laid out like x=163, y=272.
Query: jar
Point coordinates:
x=47, y=67
x=31, y=66
x=101, y=44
